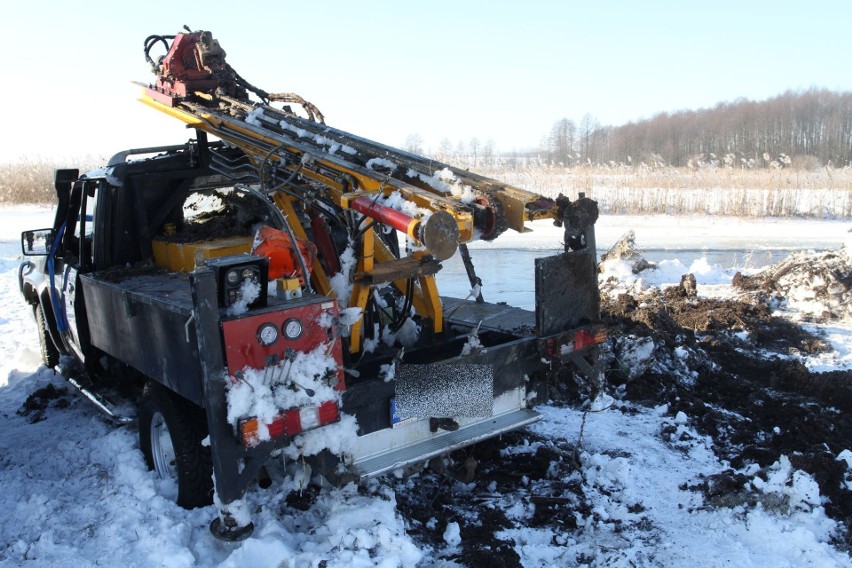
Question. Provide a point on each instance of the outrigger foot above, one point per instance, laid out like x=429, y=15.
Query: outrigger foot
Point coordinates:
x=228, y=529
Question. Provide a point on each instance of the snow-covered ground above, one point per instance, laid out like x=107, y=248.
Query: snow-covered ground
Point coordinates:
x=74, y=489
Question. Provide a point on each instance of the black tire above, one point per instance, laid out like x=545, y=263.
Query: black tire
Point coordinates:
x=49, y=352
x=166, y=417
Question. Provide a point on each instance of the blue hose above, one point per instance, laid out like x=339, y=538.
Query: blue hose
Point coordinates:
x=58, y=307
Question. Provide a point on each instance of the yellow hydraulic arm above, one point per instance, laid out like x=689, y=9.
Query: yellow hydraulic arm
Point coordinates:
x=296, y=160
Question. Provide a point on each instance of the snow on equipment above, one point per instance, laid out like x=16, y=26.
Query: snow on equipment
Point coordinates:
x=270, y=295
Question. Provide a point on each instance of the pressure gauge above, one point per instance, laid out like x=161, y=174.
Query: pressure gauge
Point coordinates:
x=267, y=334
x=232, y=277
x=292, y=328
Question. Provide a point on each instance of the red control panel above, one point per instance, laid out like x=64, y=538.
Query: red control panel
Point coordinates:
x=258, y=340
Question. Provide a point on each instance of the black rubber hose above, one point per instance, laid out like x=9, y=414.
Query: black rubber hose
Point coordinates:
x=150, y=42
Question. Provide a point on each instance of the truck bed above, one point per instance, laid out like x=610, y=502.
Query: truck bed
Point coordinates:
x=142, y=320
x=493, y=317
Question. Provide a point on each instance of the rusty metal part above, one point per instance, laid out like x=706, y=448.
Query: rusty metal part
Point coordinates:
x=577, y=215
x=492, y=219
x=311, y=109
x=565, y=295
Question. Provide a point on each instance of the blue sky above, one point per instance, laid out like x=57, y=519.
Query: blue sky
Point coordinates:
x=495, y=70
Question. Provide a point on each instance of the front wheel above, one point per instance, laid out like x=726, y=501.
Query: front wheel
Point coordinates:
x=170, y=433
x=49, y=352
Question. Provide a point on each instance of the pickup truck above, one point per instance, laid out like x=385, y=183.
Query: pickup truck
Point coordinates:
x=152, y=298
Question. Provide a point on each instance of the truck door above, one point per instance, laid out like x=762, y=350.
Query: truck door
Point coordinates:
x=68, y=295
x=78, y=257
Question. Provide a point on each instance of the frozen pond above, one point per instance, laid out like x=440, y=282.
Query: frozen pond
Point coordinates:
x=508, y=274
x=506, y=265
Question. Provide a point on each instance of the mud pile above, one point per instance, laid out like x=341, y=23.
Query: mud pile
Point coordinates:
x=736, y=366
x=817, y=285
x=733, y=366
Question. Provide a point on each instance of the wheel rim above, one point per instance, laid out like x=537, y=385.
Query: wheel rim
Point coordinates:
x=162, y=449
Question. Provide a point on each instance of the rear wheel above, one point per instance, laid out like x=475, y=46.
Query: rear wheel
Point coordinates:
x=170, y=433
x=49, y=352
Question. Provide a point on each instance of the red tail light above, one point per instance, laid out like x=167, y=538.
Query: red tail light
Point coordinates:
x=329, y=412
x=584, y=338
x=290, y=423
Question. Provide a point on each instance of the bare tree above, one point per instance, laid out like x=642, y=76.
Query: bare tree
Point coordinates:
x=445, y=150
x=488, y=152
x=561, y=142
x=588, y=125
x=808, y=127
x=474, y=148
x=414, y=143
x=461, y=149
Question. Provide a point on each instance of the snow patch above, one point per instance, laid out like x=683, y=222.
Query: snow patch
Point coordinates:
x=452, y=534
x=249, y=292
x=384, y=163
x=445, y=181
x=301, y=380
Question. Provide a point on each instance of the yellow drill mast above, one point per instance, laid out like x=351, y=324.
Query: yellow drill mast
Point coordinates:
x=305, y=166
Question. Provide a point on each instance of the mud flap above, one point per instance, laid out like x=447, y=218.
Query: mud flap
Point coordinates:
x=566, y=292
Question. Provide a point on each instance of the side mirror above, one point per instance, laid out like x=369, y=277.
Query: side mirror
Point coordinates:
x=37, y=242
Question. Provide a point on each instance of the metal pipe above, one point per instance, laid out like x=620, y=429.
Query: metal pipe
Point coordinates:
x=384, y=214
x=439, y=232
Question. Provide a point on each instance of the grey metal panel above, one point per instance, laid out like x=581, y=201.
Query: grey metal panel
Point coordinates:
x=496, y=317
x=147, y=330
x=435, y=390
x=512, y=359
x=566, y=293
x=167, y=290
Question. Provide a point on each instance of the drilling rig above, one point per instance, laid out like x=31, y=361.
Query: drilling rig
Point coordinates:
x=269, y=289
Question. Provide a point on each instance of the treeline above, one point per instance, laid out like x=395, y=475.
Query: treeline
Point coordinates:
x=620, y=189
x=805, y=129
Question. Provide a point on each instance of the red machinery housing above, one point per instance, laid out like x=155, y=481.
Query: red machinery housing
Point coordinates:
x=194, y=62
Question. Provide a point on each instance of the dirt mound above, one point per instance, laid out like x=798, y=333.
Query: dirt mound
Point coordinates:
x=819, y=285
x=735, y=368
x=34, y=408
x=515, y=471
x=731, y=366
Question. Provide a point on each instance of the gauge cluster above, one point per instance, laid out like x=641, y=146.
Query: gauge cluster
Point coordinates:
x=301, y=325
x=234, y=272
